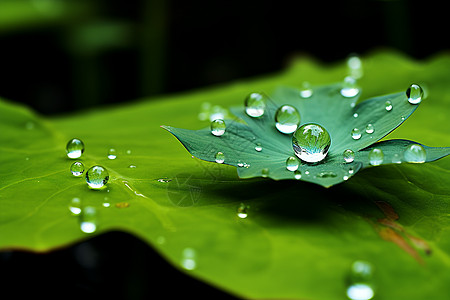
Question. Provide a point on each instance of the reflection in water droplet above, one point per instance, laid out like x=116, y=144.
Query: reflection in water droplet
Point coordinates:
x=188, y=259
x=388, y=105
x=88, y=219
x=414, y=94
x=311, y=142
x=220, y=157
x=376, y=157
x=242, y=211
x=306, y=90
x=77, y=169
x=415, y=153
x=112, y=153
x=75, y=206
x=255, y=105
x=97, y=177
x=370, y=128
x=74, y=148
x=287, y=119
x=360, y=285
x=356, y=134
x=218, y=127
x=258, y=147
x=349, y=87
x=349, y=155
x=292, y=163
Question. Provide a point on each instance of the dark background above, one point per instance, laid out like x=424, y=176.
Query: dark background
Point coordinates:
x=63, y=56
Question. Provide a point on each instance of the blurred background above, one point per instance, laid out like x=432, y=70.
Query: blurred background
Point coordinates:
x=62, y=56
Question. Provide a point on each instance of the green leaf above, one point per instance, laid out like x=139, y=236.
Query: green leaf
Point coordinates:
x=298, y=240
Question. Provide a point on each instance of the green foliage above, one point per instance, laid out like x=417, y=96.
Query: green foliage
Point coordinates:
x=298, y=240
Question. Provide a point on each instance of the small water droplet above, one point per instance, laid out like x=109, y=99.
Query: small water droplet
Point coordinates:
x=132, y=167
x=306, y=91
x=414, y=94
x=77, y=169
x=355, y=68
x=255, y=105
x=376, y=157
x=106, y=202
x=370, y=128
x=75, y=206
x=258, y=147
x=415, y=153
x=218, y=127
x=188, y=259
x=164, y=180
x=349, y=87
x=355, y=115
x=396, y=158
x=349, y=155
x=242, y=211
x=350, y=170
x=128, y=152
x=311, y=142
x=265, y=172
x=306, y=172
x=345, y=177
x=74, y=148
x=326, y=174
x=287, y=119
x=97, y=177
x=388, y=105
x=298, y=174
x=112, y=153
x=220, y=157
x=292, y=164
x=88, y=219
x=356, y=134
x=360, y=286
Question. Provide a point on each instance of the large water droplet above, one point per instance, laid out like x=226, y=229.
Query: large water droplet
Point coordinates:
x=218, y=127
x=360, y=281
x=220, y=157
x=77, y=169
x=188, y=259
x=414, y=94
x=88, y=219
x=311, y=142
x=306, y=90
x=287, y=119
x=388, y=105
x=112, y=153
x=75, y=148
x=255, y=105
x=376, y=157
x=349, y=155
x=75, y=206
x=356, y=134
x=97, y=177
x=349, y=87
x=370, y=128
x=242, y=211
x=415, y=153
x=292, y=163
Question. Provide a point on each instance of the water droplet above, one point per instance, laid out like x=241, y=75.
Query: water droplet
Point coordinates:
x=370, y=128
x=188, y=259
x=255, y=105
x=265, y=172
x=326, y=174
x=298, y=174
x=360, y=281
x=306, y=172
x=355, y=68
x=292, y=163
x=220, y=157
x=75, y=206
x=287, y=119
x=106, y=202
x=415, y=153
x=349, y=155
x=414, y=94
x=355, y=115
x=74, y=148
x=132, y=167
x=351, y=170
x=356, y=134
x=218, y=127
x=396, y=158
x=97, y=177
x=112, y=153
x=376, y=157
x=349, y=87
x=306, y=91
x=164, y=180
x=88, y=219
x=388, y=105
x=311, y=142
x=258, y=147
x=242, y=211
x=77, y=169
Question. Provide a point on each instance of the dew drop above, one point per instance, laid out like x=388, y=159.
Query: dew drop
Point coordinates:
x=414, y=94
x=77, y=169
x=242, y=211
x=355, y=115
x=355, y=68
x=370, y=128
x=164, y=180
x=415, y=153
x=188, y=259
x=88, y=219
x=349, y=87
x=112, y=153
x=326, y=174
x=298, y=174
x=356, y=134
x=258, y=147
x=349, y=155
x=74, y=148
x=396, y=158
x=220, y=157
x=255, y=105
x=388, y=105
x=306, y=91
x=132, y=167
x=97, y=177
x=287, y=119
x=376, y=157
x=351, y=170
x=311, y=142
x=360, y=285
x=218, y=127
x=265, y=172
x=75, y=206
x=292, y=164
x=128, y=152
